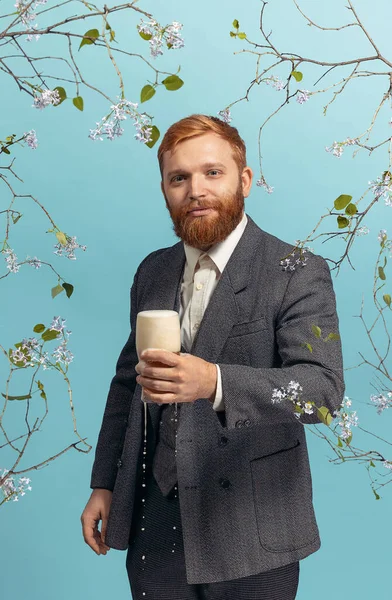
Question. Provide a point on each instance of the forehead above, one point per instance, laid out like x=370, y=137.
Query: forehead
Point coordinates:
x=200, y=149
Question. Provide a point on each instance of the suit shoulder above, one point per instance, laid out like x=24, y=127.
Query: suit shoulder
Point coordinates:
x=155, y=256
x=277, y=250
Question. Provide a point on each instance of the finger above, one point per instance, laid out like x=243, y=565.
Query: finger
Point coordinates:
x=89, y=533
x=103, y=532
x=98, y=539
x=157, y=385
x=159, y=398
x=164, y=356
x=140, y=366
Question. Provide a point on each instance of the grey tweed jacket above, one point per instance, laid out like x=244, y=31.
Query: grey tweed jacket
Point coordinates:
x=244, y=480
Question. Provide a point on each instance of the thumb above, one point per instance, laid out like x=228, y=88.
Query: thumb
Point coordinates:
x=103, y=529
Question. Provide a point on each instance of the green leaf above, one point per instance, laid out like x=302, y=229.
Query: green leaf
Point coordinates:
x=57, y=290
x=342, y=201
x=242, y=35
x=236, y=24
x=50, y=334
x=351, y=209
x=39, y=328
x=61, y=238
x=232, y=34
x=78, y=102
x=69, y=288
x=387, y=299
x=91, y=33
x=372, y=464
x=16, y=219
x=316, y=331
x=155, y=133
x=297, y=75
x=172, y=83
x=342, y=222
x=381, y=273
x=377, y=496
x=340, y=444
x=348, y=440
x=147, y=92
x=324, y=415
x=112, y=34
x=332, y=336
x=145, y=36
x=62, y=94
x=308, y=346
x=6, y=150
x=17, y=397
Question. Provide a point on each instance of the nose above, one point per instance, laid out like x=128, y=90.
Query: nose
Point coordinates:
x=196, y=187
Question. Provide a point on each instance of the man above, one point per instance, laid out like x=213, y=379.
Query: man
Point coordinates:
x=222, y=507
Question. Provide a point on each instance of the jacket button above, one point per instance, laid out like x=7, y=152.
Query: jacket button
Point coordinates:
x=223, y=441
x=247, y=423
x=119, y=463
x=225, y=483
x=239, y=423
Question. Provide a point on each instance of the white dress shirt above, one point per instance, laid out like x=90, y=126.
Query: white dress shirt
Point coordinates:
x=201, y=275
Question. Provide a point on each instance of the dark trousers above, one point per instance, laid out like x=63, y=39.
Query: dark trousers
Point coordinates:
x=156, y=566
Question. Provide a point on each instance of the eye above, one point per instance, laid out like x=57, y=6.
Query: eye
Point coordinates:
x=175, y=178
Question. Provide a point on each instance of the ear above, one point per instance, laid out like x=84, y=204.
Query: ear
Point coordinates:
x=247, y=177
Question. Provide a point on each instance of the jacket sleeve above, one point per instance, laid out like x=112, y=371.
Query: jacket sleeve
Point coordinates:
x=115, y=418
x=309, y=299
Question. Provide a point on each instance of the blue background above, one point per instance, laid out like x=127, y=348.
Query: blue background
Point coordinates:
x=108, y=195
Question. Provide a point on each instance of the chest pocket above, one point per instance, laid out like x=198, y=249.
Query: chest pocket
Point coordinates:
x=248, y=327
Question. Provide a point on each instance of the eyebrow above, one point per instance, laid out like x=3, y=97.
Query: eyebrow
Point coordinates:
x=204, y=166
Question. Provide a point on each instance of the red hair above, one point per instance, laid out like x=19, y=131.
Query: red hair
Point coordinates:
x=197, y=124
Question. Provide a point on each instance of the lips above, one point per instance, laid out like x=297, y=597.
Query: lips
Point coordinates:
x=198, y=208
x=198, y=212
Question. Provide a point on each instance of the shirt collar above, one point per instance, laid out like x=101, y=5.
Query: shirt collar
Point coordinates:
x=219, y=252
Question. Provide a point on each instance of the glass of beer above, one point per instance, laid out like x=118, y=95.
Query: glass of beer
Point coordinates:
x=157, y=329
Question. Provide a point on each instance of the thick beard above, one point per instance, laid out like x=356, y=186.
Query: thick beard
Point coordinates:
x=204, y=231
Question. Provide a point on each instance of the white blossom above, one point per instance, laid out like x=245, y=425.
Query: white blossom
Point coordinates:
x=290, y=262
x=382, y=236
x=382, y=186
x=276, y=83
x=225, y=115
x=34, y=262
x=262, y=183
x=47, y=97
x=11, y=489
x=111, y=128
x=338, y=147
x=292, y=393
x=28, y=15
x=30, y=354
x=11, y=260
x=346, y=419
x=302, y=96
x=62, y=354
x=170, y=34
x=362, y=230
x=31, y=139
x=382, y=401
x=69, y=248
